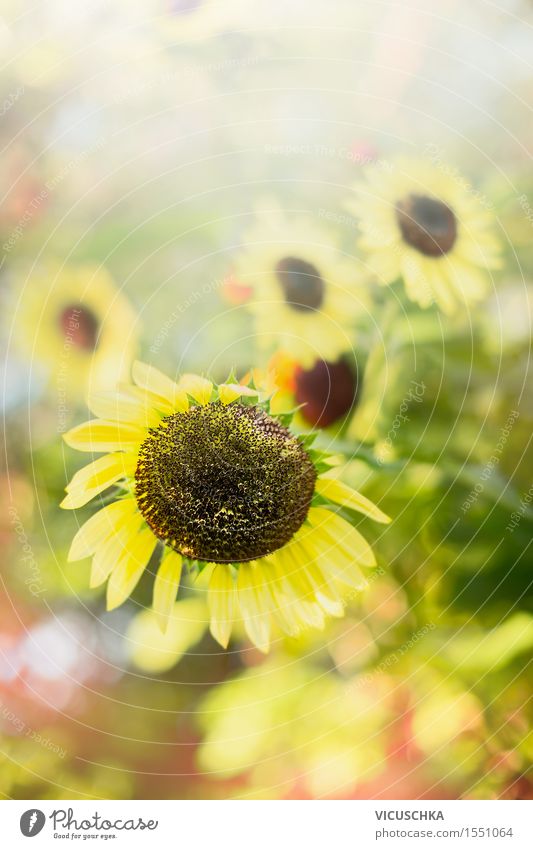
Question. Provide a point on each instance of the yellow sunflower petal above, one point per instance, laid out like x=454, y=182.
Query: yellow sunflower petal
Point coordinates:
x=127, y=572
x=228, y=392
x=166, y=586
x=113, y=548
x=418, y=276
x=340, y=536
x=151, y=379
x=311, y=581
x=299, y=590
x=310, y=612
x=197, y=387
x=341, y=569
x=123, y=407
x=146, y=398
x=348, y=574
x=295, y=613
x=295, y=555
x=100, y=436
x=93, y=474
x=324, y=591
x=251, y=601
x=470, y=283
x=97, y=477
x=340, y=493
x=439, y=287
x=221, y=599
x=100, y=526
x=338, y=561
x=277, y=599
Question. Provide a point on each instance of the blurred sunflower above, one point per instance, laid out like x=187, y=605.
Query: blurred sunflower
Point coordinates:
x=326, y=392
x=306, y=295
x=76, y=323
x=226, y=486
x=425, y=224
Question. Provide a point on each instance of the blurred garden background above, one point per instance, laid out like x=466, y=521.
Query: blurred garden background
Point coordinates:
x=154, y=156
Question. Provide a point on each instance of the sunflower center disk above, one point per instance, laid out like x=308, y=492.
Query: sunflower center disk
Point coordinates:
x=223, y=483
x=327, y=391
x=81, y=325
x=427, y=224
x=301, y=282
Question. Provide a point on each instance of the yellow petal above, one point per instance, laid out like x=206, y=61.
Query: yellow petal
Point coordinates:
x=284, y=611
x=299, y=592
x=324, y=591
x=339, y=493
x=338, y=562
x=127, y=572
x=293, y=611
x=95, y=473
x=150, y=378
x=302, y=577
x=221, y=601
x=99, y=526
x=146, y=398
x=123, y=407
x=100, y=436
x=112, y=549
x=296, y=561
x=228, y=392
x=256, y=618
x=96, y=477
x=343, y=569
x=166, y=586
x=339, y=535
x=197, y=387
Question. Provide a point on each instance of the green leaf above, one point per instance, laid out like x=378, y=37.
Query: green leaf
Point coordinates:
x=307, y=439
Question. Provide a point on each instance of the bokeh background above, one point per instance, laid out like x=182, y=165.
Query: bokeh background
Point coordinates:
x=138, y=141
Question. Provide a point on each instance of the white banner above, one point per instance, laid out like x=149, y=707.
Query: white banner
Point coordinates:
x=268, y=824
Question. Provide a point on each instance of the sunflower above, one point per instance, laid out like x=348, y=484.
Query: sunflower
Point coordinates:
x=306, y=295
x=424, y=223
x=325, y=393
x=208, y=478
x=76, y=323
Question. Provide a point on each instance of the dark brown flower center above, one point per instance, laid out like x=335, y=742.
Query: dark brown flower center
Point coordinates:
x=328, y=391
x=301, y=282
x=223, y=483
x=80, y=326
x=428, y=225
